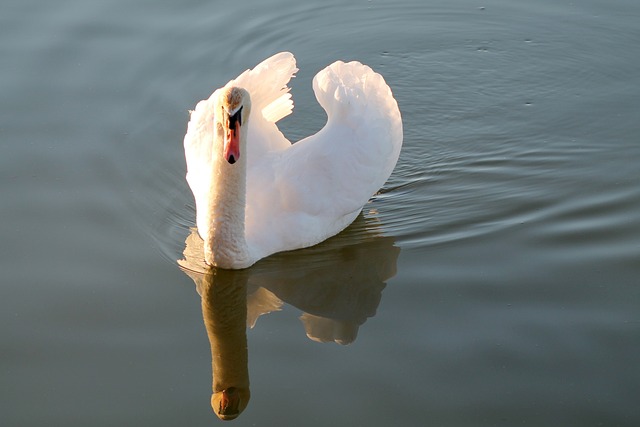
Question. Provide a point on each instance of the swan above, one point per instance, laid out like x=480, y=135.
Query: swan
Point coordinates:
x=255, y=192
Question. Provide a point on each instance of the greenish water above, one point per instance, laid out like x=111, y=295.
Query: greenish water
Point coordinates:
x=493, y=281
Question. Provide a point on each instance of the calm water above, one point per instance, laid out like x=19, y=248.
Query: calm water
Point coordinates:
x=493, y=281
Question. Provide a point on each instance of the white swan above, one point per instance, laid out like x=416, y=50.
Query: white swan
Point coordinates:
x=256, y=193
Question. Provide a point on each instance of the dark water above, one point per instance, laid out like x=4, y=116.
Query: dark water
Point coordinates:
x=493, y=281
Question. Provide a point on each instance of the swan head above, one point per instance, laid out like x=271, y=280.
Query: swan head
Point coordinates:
x=229, y=403
x=233, y=107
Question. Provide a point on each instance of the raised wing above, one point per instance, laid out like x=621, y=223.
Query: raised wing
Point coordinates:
x=267, y=85
x=322, y=182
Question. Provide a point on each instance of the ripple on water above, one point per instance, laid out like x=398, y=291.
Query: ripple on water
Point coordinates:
x=480, y=152
x=462, y=195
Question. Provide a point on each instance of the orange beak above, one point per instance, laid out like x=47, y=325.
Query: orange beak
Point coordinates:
x=226, y=403
x=232, y=138
x=232, y=145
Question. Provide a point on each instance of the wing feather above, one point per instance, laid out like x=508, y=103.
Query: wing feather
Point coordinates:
x=267, y=85
x=324, y=180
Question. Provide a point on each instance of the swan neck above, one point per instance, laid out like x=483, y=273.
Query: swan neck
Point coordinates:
x=225, y=245
x=224, y=311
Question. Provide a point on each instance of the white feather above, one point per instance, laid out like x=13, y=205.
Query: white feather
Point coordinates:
x=299, y=195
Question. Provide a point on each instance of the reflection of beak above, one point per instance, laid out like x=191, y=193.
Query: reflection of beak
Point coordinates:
x=228, y=403
x=232, y=137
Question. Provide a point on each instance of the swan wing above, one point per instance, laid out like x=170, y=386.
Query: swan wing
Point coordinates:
x=270, y=102
x=198, y=143
x=267, y=85
x=302, y=195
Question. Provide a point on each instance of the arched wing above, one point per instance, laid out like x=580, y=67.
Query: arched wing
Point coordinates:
x=322, y=182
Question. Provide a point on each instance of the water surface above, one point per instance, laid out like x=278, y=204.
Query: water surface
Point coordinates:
x=507, y=239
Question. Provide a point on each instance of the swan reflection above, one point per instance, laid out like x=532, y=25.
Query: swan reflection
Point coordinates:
x=337, y=285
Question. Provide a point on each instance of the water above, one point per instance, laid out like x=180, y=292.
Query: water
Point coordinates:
x=493, y=281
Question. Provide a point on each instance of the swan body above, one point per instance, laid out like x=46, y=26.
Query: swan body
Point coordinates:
x=256, y=193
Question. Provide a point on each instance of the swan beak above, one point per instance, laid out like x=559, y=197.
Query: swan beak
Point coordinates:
x=226, y=403
x=232, y=137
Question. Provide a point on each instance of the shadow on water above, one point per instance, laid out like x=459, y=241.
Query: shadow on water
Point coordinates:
x=337, y=284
